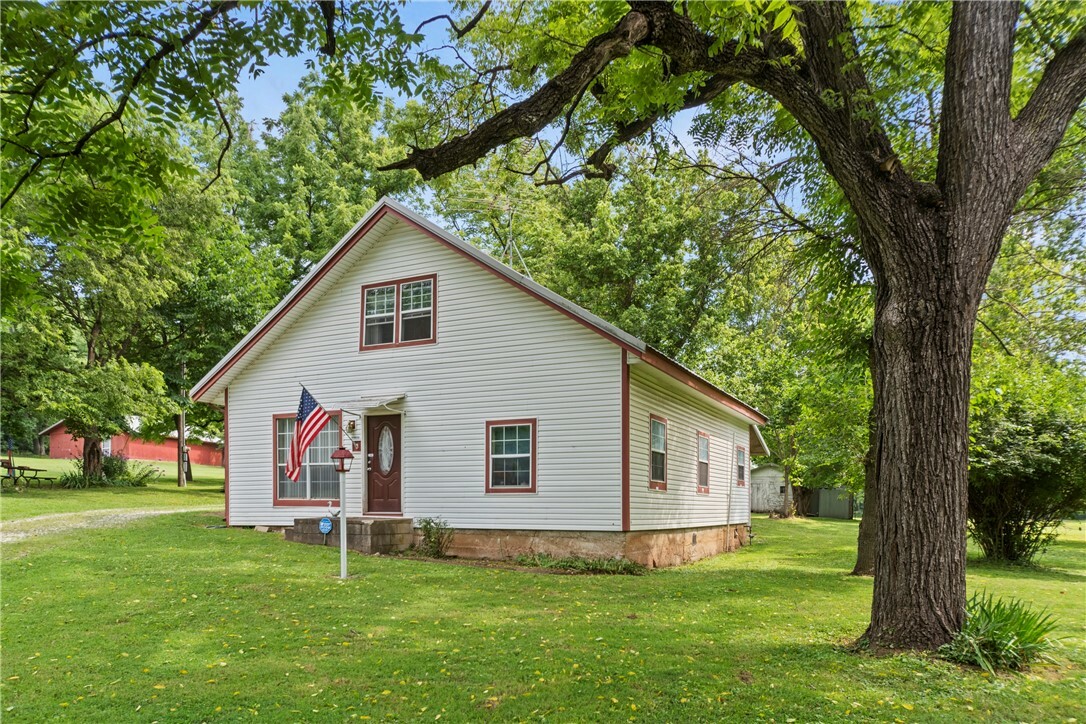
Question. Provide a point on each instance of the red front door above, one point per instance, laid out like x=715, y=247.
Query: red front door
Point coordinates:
x=383, y=454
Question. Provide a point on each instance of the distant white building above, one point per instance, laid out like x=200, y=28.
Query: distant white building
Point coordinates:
x=479, y=396
x=767, y=489
x=768, y=492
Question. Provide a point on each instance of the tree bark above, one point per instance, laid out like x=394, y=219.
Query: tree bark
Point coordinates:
x=788, y=508
x=866, y=539
x=92, y=458
x=928, y=291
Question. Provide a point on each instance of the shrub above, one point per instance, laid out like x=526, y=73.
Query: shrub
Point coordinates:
x=436, y=537
x=1027, y=460
x=117, y=472
x=114, y=468
x=1001, y=634
x=606, y=566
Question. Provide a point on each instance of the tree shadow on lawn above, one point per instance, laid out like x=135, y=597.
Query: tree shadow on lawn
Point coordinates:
x=978, y=565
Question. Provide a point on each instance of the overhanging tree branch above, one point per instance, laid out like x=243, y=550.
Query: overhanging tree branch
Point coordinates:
x=532, y=114
x=226, y=146
x=328, y=11
x=460, y=32
x=148, y=67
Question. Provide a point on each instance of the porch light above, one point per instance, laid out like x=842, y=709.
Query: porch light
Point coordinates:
x=342, y=459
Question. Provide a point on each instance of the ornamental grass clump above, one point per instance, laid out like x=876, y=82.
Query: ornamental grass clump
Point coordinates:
x=117, y=472
x=1001, y=634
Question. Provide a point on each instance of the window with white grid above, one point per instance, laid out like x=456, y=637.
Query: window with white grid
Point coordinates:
x=317, y=479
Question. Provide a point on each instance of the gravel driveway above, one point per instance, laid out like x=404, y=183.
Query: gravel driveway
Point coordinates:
x=16, y=530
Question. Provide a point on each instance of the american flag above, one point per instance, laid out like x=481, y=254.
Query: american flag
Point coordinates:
x=311, y=420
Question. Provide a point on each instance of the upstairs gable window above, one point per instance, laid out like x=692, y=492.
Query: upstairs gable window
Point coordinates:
x=399, y=312
x=380, y=316
x=416, y=310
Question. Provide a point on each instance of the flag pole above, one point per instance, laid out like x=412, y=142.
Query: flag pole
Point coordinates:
x=342, y=491
x=342, y=430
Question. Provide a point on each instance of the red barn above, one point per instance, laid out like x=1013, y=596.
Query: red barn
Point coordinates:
x=201, y=452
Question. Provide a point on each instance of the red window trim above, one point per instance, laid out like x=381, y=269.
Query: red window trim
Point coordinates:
x=535, y=462
x=746, y=467
x=226, y=451
x=658, y=484
x=278, y=502
x=703, y=489
x=398, y=283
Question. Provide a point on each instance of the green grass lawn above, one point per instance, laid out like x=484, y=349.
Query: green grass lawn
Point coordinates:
x=167, y=619
x=206, y=489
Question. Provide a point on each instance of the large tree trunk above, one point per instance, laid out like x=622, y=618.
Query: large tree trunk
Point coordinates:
x=865, y=540
x=92, y=458
x=924, y=319
x=788, y=507
x=868, y=535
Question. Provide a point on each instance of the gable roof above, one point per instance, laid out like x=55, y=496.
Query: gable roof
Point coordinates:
x=378, y=220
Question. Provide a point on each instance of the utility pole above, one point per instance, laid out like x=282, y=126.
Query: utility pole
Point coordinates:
x=181, y=442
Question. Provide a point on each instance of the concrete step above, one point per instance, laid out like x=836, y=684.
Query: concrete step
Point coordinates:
x=366, y=534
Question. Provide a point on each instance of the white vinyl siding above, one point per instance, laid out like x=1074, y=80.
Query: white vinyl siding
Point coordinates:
x=500, y=354
x=681, y=505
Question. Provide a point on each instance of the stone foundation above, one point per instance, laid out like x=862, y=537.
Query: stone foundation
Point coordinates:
x=653, y=548
x=365, y=535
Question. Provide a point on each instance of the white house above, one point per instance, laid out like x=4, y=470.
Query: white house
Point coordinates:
x=524, y=421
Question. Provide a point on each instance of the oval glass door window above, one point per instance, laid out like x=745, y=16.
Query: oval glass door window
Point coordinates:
x=385, y=449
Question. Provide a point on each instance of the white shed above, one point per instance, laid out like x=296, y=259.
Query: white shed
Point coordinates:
x=524, y=421
x=767, y=489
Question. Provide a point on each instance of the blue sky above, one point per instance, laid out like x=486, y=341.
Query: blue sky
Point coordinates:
x=262, y=97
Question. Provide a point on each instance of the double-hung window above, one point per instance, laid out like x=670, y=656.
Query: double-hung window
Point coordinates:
x=703, y=462
x=740, y=467
x=657, y=453
x=398, y=312
x=510, y=456
x=380, y=316
x=416, y=310
x=317, y=480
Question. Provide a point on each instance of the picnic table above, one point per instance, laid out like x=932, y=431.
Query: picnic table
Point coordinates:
x=14, y=473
